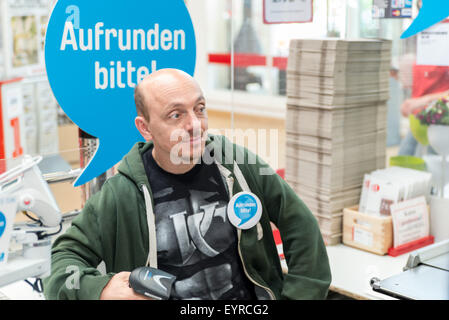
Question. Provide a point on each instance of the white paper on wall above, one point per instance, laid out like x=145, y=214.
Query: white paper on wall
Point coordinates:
x=433, y=46
x=281, y=11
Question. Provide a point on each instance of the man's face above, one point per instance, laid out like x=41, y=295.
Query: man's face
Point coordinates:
x=178, y=119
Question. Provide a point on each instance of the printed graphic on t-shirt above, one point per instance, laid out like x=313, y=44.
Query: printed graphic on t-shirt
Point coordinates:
x=195, y=240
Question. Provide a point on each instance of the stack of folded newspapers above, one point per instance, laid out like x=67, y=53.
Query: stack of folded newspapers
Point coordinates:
x=336, y=123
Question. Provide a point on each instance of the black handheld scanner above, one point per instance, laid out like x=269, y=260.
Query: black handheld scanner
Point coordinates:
x=152, y=282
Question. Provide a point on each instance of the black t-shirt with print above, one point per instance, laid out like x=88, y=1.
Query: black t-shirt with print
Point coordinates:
x=195, y=240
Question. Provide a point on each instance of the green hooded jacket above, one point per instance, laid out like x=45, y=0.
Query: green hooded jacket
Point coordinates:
x=113, y=227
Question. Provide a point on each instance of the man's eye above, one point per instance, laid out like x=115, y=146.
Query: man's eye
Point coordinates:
x=174, y=116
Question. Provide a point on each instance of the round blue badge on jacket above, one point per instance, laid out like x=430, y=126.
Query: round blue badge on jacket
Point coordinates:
x=244, y=210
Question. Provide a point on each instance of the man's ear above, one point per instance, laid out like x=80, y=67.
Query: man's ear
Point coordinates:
x=142, y=126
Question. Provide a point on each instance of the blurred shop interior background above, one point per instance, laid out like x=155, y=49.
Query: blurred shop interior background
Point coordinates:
x=244, y=92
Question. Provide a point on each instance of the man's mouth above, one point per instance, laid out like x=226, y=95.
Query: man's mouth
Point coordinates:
x=195, y=139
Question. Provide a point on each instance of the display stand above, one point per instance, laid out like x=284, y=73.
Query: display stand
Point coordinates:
x=11, y=123
x=411, y=246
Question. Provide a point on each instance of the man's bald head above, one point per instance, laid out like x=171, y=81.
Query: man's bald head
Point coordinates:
x=146, y=91
x=172, y=113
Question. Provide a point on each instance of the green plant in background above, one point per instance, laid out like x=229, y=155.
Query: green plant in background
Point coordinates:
x=435, y=113
x=418, y=130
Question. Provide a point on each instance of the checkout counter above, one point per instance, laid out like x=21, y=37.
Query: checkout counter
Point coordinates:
x=357, y=274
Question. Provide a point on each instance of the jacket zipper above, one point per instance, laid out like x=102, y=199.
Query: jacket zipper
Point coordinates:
x=230, y=182
x=270, y=293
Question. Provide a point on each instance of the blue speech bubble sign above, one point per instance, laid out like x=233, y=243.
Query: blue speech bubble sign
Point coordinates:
x=245, y=208
x=97, y=51
x=432, y=12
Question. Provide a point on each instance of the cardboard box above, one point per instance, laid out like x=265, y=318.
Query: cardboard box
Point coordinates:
x=367, y=232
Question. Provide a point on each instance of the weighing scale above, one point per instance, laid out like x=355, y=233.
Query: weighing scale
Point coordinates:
x=425, y=276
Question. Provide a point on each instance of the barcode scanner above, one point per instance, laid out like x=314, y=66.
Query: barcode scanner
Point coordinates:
x=151, y=282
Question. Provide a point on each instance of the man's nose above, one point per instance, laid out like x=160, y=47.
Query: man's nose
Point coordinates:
x=192, y=122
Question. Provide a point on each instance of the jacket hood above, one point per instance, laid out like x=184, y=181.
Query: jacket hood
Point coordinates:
x=132, y=164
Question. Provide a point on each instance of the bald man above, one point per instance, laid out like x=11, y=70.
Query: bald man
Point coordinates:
x=167, y=209
x=172, y=113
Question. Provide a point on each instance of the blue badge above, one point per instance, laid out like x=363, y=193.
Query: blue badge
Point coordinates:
x=95, y=54
x=244, y=210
